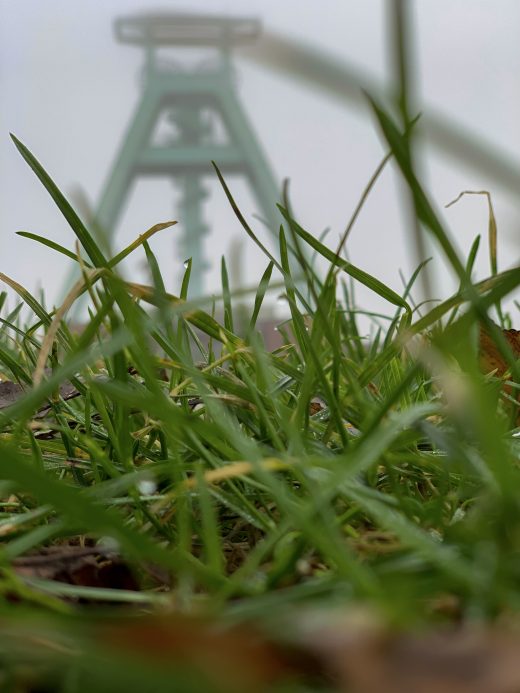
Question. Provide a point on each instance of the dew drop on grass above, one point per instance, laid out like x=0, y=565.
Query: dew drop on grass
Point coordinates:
x=146, y=487
x=186, y=263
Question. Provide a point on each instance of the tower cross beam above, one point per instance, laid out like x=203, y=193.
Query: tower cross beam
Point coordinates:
x=185, y=30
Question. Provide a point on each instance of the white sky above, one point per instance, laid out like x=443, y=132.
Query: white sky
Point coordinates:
x=69, y=91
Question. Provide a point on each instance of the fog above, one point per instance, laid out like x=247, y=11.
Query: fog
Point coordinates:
x=70, y=90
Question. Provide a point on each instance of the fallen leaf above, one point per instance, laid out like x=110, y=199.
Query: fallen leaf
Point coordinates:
x=490, y=357
x=491, y=360
x=89, y=566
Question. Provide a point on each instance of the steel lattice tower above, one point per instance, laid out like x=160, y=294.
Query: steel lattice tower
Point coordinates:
x=199, y=117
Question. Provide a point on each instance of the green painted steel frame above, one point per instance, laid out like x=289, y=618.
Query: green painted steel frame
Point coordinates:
x=188, y=160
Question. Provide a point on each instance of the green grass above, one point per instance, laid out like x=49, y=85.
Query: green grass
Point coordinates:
x=196, y=451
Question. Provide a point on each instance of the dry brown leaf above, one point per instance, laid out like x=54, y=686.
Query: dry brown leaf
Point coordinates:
x=491, y=360
x=233, y=658
x=490, y=357
x=91, y=566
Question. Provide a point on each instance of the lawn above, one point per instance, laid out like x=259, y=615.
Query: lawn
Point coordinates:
x=182, y=509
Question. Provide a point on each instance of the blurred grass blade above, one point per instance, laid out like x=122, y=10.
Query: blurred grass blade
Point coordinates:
x=424, y=210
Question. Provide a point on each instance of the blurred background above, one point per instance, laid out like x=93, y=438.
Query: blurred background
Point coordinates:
x=126, y=116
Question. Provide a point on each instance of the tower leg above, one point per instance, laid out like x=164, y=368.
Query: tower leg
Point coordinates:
x=192, y=241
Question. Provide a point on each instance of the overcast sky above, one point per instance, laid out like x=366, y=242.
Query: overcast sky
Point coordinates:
x=69, y=91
